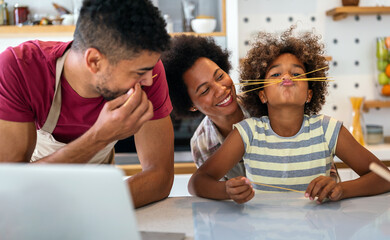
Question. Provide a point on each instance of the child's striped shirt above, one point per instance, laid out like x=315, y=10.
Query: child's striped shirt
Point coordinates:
x=289, y=162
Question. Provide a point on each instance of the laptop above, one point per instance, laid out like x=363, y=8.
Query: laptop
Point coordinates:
x=63, y=202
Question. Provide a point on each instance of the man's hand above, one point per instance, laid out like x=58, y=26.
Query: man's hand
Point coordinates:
x=324, y=187
x=240, y=189
x=123, y=116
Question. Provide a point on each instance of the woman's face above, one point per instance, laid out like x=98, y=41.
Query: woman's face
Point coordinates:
x=211, y=89
x=285, y=91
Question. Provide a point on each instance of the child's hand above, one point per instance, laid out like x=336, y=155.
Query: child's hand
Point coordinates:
x=324, y=187
x=240, y=189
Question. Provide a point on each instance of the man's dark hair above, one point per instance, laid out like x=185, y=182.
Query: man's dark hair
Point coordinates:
x=120, y=29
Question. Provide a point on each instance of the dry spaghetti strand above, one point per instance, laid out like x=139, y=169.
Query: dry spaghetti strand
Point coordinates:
x=269, y=84
x=311, y=71
x=272, y=186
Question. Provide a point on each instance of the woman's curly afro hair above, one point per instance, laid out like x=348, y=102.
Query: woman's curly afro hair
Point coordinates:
x=184, y=52
x=267, y=47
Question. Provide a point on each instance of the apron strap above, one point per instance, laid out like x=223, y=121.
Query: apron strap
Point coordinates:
x=55, y=109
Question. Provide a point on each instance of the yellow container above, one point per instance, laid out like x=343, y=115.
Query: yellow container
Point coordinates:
x=357, y=126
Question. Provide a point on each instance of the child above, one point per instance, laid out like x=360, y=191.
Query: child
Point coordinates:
x=286, y=143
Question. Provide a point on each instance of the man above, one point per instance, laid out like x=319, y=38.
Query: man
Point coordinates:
x=70, y=102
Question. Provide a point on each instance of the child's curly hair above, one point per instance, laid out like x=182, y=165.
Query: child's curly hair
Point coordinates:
x=266, y=49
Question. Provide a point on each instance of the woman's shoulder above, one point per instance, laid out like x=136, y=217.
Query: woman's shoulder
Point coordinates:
x=205, y=127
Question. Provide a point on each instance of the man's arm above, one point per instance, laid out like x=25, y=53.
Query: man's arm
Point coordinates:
x=116, y=121
x=17, y=141
x=155, y=150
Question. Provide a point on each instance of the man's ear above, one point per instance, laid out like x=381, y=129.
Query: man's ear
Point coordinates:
x=94, y=60
x=263, y=97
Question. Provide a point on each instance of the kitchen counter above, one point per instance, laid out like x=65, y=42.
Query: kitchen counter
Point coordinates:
x=269, y=216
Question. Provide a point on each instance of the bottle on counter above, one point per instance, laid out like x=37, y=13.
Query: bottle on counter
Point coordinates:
x=168, y=21
x=4, y=16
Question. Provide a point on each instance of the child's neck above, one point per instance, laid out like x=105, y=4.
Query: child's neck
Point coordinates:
x=225, y=123
x=286, y=122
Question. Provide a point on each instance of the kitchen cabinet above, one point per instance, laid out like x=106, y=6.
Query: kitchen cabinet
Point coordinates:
x=340, y=13
x=62, y=30
x=215, y=8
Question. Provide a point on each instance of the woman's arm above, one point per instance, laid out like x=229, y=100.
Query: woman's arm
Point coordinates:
x=205, y=181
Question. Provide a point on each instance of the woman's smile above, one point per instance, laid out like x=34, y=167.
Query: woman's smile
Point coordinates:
x=226, y=101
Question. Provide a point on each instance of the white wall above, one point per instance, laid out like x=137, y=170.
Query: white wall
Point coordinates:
x=350, y=42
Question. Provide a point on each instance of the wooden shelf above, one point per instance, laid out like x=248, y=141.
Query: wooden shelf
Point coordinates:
x=61, y=30
x=375, y=104
x=343, y=12
x=28, y=31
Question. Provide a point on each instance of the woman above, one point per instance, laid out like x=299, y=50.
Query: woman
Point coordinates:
x=197, y=74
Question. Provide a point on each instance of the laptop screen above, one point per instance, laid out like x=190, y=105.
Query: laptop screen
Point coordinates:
x=65, y=202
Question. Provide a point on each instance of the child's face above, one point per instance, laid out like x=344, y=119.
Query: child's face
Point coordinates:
x=287, y=92
x=211, y=89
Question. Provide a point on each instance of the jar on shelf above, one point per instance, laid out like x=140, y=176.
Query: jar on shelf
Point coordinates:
x=21, y=13
x=350, y=2
x=383, y=65
x=374, y=134
x=189, y=11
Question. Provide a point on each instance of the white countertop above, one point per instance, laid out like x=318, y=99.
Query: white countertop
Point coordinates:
x=269, y=216
x=381, y=151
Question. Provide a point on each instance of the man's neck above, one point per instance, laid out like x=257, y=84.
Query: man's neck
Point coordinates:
x=78, y=76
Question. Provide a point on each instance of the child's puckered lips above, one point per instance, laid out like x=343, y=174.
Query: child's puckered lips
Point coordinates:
x=287, y=82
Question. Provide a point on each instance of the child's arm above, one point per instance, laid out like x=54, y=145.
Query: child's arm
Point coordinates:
x=358, y=158
x=205, y=181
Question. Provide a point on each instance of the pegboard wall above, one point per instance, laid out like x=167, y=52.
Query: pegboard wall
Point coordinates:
x=349, y=42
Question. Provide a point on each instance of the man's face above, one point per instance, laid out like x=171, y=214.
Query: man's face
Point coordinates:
x=116, y=79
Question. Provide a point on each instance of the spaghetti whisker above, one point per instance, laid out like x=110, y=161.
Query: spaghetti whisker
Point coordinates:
x=311, y=71
x=261, y=87
x=254, y=83
x=259, y=80
x=325, y=79
x=318, y=80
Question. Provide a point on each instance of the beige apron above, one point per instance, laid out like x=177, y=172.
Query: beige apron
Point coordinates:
x=46, y=144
